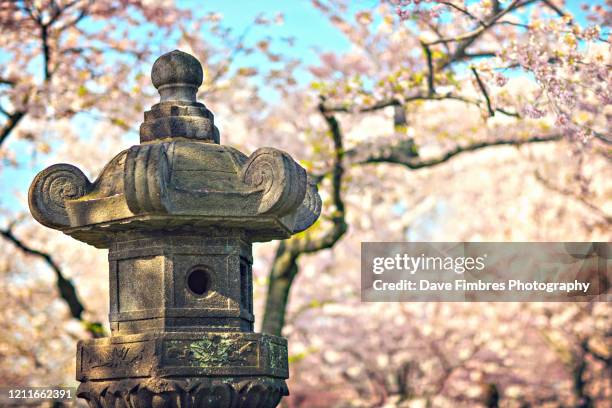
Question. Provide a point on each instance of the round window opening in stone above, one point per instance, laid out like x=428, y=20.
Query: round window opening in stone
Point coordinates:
x=198, y=281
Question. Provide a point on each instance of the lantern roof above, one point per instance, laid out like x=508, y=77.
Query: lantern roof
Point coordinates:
x=179, y=176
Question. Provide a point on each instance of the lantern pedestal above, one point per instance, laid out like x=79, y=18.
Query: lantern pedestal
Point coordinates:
x=183, y=369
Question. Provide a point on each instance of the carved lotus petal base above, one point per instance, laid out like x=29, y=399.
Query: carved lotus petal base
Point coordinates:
x=184, y=393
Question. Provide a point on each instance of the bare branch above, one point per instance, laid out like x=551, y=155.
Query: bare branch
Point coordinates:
x=418, y=97
x=82, y=14
x=339, y=227
x=483, y=89
x=467, y=39
x=34, y=14
x=484, y=26
x=557, y=10
x=412, y=162
x=496, y=6
x=436, y=30
x=12, y=121
x=6, y=81
x=430, y=70
x=606, y=359
x=601, y=137
x=46, y=51
x=480, y=54
x=462, y=10
x=285, y=267
x=236, y=49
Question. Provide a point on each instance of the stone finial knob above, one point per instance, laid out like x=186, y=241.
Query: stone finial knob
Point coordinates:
x=177, y=76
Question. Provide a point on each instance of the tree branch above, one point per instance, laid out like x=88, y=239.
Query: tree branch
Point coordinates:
x=601, y=137
x=418, y=97
x=46, y=51
x=556, y=9
x=413, y=162
x=467, y=39
x=65, y=287
x=471, y=35
x=7, y=81
x=462, y=10
x=285, y=267
x=482, y=87
x=430, y=70
x=479, y=54
x=338, y=217
x=36, y=15
x=607, y=360
x=12, y=121
x=464, y=41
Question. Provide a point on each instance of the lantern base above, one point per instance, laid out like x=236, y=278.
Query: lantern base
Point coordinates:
x=183, y=369
x=245, y=392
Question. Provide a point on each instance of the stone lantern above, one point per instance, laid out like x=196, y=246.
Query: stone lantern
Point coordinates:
x=179, y=213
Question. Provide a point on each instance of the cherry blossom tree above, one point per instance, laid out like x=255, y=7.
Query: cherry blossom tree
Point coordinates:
x=432, y=93
x=453, y=121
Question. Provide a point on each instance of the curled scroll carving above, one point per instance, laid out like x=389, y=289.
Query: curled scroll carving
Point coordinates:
x=281, y=180
x=146, y=178
x=310, y=209
x=50, y=190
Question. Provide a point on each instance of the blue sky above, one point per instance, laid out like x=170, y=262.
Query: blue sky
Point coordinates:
x=312, y=31
x=302, y=21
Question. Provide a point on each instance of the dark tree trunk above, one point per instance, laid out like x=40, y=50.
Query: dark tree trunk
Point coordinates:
x=282, y=274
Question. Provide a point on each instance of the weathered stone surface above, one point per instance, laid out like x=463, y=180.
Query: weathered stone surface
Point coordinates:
x=179, y=182
x=310, y=208
x=50, y=191
x=174, y=71
x=221, y=257
x=189, y=353
x=245, y=392
x=179, y=214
